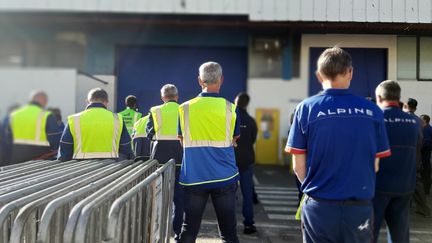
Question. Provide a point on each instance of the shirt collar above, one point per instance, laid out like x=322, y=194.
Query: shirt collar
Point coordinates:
x=337, y=91
x=35, y=103
x=171, y=101
x=95, y=105
x=207, y=94
x=392, y=104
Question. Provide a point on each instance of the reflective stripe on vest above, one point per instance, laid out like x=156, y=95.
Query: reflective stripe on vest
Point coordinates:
x=28, y=126
x=88, y=153
x=140, y=127
x=165, y=120
x=188, y=142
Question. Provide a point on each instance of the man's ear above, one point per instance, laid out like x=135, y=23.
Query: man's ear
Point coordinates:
x=350, y=73
x=319, y=77
x=221, y=80
x=200, y=82
x=379, y=99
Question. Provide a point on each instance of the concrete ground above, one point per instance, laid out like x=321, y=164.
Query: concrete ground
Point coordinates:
x=274, y=216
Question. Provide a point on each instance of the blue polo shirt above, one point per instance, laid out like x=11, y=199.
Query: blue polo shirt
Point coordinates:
x=397, y=173
x=341, y=134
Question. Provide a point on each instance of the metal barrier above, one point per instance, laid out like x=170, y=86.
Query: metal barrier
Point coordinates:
x=55, y=202
x=100, y=202
x=129, y=223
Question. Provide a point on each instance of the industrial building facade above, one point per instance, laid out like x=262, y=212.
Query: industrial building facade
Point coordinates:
x=267, y=47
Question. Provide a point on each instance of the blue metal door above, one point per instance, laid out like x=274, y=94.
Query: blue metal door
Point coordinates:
x=142, y=71
x=370, y=68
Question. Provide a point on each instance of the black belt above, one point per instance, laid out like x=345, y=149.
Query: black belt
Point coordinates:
x=343, y=202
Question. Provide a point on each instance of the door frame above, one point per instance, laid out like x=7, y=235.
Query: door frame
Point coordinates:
x=388, y=42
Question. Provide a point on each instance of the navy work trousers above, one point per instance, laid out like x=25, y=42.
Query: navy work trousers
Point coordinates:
x=325, y=221
x=395, y=211
x=247, y=186
x=224, y=202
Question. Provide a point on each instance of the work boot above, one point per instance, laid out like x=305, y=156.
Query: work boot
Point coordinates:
x=249, y=229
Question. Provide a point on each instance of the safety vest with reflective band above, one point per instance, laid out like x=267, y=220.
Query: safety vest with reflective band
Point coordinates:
x=96, y=133
x=130, y=117
x=28, y=125
x=165, y=121
x=207, y=125
x=140, y=128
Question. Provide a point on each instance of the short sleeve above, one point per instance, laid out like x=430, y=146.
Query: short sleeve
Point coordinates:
x=383, y=149
x=297, y=137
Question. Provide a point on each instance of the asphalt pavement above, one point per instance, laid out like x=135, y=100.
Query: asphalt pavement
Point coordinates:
x=274, y=215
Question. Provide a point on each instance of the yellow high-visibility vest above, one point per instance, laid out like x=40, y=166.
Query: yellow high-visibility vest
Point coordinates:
x=96, y=133
x=165, y=120
x=140, y=127
x=195, y=117
x=28, y=125
x=130, y=117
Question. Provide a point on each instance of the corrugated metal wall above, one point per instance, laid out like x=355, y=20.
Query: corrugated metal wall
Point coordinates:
x=409, y=11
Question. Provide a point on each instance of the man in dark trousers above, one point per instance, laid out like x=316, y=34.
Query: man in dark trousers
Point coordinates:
x=426, y=152
x=422, y=208
x=245, y=157
x=162, y=129
x=335, y=163
x=396, y=178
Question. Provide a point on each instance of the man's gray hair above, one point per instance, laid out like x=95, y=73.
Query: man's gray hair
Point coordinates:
x=210, y=72
x=389, y=90
x=36, y=94
x=97, y=95
x=169, y=91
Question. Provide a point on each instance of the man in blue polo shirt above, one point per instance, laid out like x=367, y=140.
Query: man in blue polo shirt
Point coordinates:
x=336, y=139
x=396, y=178
x=426, y=152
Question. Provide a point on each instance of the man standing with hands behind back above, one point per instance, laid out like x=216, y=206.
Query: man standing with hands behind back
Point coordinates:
x=208, y=128
x=335, y=163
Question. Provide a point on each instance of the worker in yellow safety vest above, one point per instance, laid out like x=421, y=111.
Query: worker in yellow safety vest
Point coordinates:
x=96, y=132
x=209, y=129
x=33, y=131
x=162, y=129
x=130, y=114
x=141, y=144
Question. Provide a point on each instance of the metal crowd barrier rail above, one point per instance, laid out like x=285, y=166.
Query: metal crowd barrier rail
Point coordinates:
x=99, y=202
x=138, y=217
x=56, y=202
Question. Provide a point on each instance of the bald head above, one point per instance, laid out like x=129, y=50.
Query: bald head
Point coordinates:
x=39, y=97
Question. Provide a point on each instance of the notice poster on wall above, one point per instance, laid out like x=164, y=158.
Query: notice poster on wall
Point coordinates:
x=267, y=145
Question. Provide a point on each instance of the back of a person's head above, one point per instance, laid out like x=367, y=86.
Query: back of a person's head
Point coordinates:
x=388, y=90
x=56, y=112
x=412, y=103
x=39, y=96
x=242, y=100
x=97, y=95
x=131, y=101
x=210, y=72
x=333, y=62
x=425, y=118
x=169, y=91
